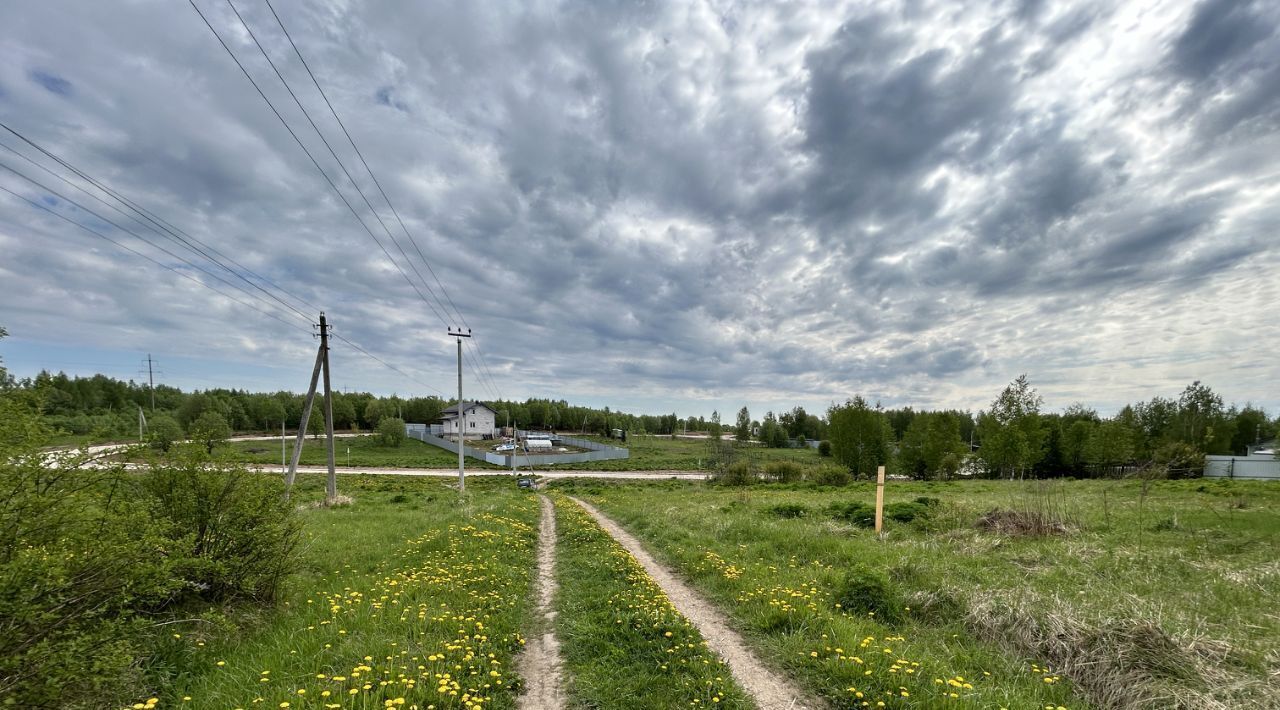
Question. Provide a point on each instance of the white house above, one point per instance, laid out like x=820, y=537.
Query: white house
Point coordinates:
x=479, y=420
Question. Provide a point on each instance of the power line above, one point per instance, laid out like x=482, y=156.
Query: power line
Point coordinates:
x=168, y=233
x=376, y=183
x=130, y=249
x=387, y=364
x=365, y=163
x=307, y=114
x=309, y=155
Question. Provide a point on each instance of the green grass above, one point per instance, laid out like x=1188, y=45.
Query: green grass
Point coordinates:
x=661, y=453
x=365, y=451
x=406, y=593
x=1157, y=597
x=624, y=644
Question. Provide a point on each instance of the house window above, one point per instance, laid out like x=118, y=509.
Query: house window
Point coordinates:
x=473, y=425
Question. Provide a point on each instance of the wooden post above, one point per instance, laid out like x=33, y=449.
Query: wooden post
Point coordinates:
x=302, y=424
x=879, y=500
x=331, y=488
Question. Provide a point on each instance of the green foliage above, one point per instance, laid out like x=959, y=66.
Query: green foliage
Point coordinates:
x=210, y=430
x=868, y=592
x=824, y=448
x=864, y=514
x=237, y=534
x=163, y=431
x=91, y=559
x=391, y=431
x=783, y=471
x=931, y=446
x=830, y=475
x=1180, y=460
x=861, y=437
x=1110, y=443
x=742, y=432
x=787, y=510
x=1011, y=431
x=738, y=473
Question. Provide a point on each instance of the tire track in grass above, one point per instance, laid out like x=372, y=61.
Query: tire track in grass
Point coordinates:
x=540, y=664
x=770, y=689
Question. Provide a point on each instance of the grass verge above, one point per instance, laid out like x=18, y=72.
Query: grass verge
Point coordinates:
x=1157, y=595
x=624, y=644
x=408, y=597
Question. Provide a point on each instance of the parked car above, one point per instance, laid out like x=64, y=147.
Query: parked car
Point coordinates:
x=504, y=447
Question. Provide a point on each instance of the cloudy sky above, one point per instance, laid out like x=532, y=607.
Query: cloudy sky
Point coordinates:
x=656, y=206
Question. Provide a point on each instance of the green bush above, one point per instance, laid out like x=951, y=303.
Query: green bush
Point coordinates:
x=824, y=448
x=210, y=430
x=830, y=475
x=1180, y=460
x=391, y=431
x=783, y=471
x=868, y=592
x=163, y=431
x=738, y=473
x=236, y=532
x=91, y=560
x=864, y=514
x=787, y=510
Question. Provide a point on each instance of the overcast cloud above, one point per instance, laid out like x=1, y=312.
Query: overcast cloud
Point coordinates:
x=669, y=206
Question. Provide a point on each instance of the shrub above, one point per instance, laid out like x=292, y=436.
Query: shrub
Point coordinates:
x=163, y=432
x=1179, y=460
x=738, y=473
x=783, y=471
x=787, y=510
x=237, y=534
x=869, y=592
x=209, y=430
x=391, y=431
x=824, y=448
x=830, y=475
x=864, y=514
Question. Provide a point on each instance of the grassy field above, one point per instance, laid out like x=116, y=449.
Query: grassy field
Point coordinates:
x=624, y=644
x=365, y=451
x=661, y=453
x=1162, y=595
x=404, y=598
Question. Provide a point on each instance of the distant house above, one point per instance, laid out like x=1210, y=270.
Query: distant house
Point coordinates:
x=479, y=420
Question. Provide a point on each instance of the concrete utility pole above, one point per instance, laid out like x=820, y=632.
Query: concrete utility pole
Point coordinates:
x=302, y=424
x=462, y=419
x=151, y=380
x=331, y=488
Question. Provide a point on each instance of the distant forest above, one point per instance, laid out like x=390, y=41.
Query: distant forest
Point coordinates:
x=1010, y=437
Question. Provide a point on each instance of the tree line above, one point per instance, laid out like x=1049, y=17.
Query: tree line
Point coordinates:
x=1013, y=437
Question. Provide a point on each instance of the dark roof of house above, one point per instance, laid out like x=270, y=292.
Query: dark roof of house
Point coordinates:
x=453, y=408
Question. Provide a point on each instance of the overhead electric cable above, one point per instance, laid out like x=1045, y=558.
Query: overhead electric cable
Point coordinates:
x=170, y=236
x=130, y=249
x=141, y=238
x=387, y=364
x=311, y=157
x=159, y=222
x=341, y=165
x=365, y=163
x=378, y=184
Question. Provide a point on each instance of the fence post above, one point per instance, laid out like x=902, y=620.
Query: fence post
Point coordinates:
x=879, y=500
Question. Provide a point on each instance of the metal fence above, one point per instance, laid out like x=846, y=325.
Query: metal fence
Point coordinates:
x=596, y=451
x=1258, y=468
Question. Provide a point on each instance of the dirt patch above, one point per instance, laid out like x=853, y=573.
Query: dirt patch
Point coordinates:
x=539, y=663
x=766, y=685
